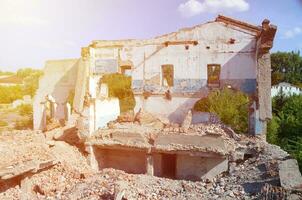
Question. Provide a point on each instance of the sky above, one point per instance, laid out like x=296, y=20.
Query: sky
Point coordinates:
x=33, y=31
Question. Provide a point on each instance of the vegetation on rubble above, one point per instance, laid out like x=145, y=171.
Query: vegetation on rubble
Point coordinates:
x=8, y=94
x=3, y=123
x=30, y=78
x=26, y=111
x=119, y=86
x=285, y=129
x=229, y=105
x=287, y=67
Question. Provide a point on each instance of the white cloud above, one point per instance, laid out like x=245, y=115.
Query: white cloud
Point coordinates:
x=195, y=7
x=292, y=33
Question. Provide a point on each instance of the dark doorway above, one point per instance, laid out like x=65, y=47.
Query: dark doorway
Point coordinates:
x=168, y=166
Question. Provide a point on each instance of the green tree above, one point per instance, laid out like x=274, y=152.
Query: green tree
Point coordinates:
x=286, y=66
x=285, y=129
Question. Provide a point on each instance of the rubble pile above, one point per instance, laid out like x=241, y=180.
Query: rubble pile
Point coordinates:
x=32, y=167
x=253, y=178
x=35, y=165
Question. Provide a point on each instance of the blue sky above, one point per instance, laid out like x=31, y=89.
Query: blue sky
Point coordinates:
x=33, y=31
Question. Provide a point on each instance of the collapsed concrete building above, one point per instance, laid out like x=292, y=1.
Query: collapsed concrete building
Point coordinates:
x=183, y=65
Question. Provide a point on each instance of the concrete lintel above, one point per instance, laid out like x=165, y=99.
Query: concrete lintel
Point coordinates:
x=190, y=153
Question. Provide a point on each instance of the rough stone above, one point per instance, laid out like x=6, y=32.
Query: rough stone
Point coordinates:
x=187, y=121
x=290, y=176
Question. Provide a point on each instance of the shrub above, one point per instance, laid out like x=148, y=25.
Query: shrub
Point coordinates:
x=25, y=110
x=272, y=130
x=3, y=123
x=8, y=94
x=119, y=86
x=25, y=123
x=229, y=105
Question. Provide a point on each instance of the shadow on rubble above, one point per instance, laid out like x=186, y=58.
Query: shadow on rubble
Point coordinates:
x=107, y=196
x=17, y=180
x=256, y=186
x=71, y=137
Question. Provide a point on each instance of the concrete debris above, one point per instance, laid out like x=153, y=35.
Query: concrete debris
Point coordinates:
x=290, y=176
x=147, y=119
x=126, y=117
x=254, y=170
x=187, y=121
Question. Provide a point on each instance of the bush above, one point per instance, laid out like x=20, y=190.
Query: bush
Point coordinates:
x=25, y=110
x=24, y=124
x=294, y=147
x=8, y=94
x=119, y=86
x=229, y=105
x=286, y=126
x=3, y=123
x=273, y=126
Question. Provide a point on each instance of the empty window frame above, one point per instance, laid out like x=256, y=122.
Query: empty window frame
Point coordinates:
x=214, y=74
x=167, y=75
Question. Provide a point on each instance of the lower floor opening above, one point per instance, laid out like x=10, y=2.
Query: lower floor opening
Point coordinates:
x=168, y=166
x=133, y=162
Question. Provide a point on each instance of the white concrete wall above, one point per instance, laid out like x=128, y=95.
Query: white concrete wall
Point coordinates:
x=238, y=63
x=106, y=110
x=58, y=80
x=237, y=60
x=175, y=110
x=196, y=168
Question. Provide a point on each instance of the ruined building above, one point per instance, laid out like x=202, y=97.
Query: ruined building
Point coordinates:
x=174, y=70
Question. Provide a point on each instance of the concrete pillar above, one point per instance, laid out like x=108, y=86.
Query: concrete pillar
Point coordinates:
x=43, y=117
x=149, y=164
x=67, y=111
x=90, y=113
x=91, y=158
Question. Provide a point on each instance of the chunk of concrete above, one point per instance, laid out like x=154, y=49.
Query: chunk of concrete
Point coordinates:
x=143, y=117
x=187, y=121
x=290, y=176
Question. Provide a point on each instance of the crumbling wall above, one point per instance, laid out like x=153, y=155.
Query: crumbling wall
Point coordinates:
x=189, y=60
x=58, y=80
x=129, y=161
x=81, y=85
x=175, y=109
x=197, y=168
x=264, y=86
x=106, y=110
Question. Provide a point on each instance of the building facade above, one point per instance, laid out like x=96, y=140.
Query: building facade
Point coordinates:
x=172, y=72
